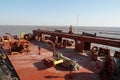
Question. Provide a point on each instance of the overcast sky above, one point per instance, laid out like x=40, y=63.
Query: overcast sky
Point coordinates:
x=60, y=12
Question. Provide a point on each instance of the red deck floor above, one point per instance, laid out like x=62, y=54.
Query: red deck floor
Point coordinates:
x=30, y=66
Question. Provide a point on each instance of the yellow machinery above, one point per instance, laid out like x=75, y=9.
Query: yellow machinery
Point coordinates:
x=21, y=35
x=58, y=61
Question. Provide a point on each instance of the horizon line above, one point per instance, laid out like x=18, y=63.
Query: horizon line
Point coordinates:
x=54, y=25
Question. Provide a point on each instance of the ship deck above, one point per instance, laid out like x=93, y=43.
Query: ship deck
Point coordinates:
x=29, y=66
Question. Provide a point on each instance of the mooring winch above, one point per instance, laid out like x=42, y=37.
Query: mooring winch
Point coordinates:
x=19, y=46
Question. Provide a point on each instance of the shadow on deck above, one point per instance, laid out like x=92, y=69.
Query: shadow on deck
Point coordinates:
x=40, y=65
x=75, y=76
x=42, y=45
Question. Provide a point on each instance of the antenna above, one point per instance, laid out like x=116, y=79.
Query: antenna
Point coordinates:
x=77, y=20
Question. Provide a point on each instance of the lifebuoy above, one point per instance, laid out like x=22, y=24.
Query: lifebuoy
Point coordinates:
x=94, y=49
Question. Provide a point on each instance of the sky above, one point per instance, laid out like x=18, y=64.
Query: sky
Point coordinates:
x=60, y=12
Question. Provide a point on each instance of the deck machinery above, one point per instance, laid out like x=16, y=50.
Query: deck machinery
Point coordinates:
x=58, y=58
x=19, y=46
